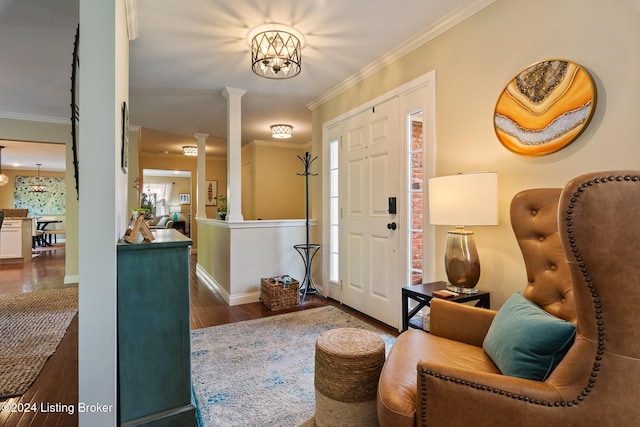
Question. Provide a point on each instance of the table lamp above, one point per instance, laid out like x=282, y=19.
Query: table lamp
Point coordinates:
x=463, y=199
x=175, y=210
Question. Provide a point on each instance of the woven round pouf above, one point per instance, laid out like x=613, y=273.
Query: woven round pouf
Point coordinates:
x=348, y=365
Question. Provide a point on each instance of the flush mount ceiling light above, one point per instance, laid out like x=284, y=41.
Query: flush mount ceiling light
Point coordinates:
x=281, y=131
x=39, y=187
x=190, y=150
x=276, y=51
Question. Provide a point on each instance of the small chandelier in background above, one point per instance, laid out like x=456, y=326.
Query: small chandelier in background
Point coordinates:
x=4, y=179
x=39, y=187
x=281, y=131
x=276, y=51
x=190, y=150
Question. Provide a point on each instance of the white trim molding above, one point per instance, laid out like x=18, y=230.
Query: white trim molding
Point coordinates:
x=35, y=118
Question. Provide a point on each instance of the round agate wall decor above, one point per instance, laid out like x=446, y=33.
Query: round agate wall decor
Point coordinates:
x=545, y=107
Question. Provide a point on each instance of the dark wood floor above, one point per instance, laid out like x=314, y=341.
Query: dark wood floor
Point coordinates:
x=58, y=381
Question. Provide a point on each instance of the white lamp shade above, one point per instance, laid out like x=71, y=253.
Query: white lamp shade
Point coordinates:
x=464, y=199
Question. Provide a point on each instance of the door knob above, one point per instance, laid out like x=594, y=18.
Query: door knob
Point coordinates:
x=392, y=226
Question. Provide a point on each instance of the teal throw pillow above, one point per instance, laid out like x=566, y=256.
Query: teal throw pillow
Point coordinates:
x=525, y=341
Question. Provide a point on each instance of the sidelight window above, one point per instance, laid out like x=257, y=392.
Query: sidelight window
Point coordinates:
x=334, y=211
x=416, y=198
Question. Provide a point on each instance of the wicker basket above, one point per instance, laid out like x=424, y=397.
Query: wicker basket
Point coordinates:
x=276, y=297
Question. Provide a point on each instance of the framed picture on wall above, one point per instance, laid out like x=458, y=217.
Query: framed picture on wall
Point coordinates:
x=185, y=198
x=211, y=192
x=545, y=107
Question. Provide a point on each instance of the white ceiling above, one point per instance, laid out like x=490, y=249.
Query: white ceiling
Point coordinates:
x=187, y=52
x=26, y=155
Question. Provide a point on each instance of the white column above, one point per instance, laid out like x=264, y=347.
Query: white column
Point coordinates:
x=234, y=159
x=104, y=86
x=201, y=174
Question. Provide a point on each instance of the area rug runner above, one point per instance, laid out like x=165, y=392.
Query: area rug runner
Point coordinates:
x=31, y=327
x=260, y=372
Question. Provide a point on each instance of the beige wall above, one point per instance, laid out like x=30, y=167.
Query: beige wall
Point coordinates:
x=216, y=171
x=6, y=191
x=24, y=130
x=474, y=61
x=215, y=257
x=278, y=192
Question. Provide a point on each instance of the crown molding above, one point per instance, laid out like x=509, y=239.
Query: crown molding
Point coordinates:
x=34, y=118
x=432, y=32
x=47, y=119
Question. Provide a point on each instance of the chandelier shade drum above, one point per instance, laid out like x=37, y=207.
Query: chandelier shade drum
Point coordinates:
x=39, y=187
x=281, y=131
x=4, y=179
x=190, y=150
x=276, y=54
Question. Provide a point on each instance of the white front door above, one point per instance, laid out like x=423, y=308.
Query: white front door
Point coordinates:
x=371, y=261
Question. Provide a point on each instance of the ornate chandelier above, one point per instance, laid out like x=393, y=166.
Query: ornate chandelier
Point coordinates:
x=276, y=51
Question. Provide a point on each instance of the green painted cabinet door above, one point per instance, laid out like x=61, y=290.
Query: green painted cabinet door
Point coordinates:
x=154, y=340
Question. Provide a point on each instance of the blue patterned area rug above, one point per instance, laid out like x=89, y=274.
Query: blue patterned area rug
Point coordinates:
x=260, y=372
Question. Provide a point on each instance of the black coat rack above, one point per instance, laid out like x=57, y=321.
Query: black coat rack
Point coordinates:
x=307, y=250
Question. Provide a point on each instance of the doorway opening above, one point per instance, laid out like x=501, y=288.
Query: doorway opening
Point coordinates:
x=167, y=194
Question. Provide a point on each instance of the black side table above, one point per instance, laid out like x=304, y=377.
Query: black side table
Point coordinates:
x=423, y=294
x=180, y=226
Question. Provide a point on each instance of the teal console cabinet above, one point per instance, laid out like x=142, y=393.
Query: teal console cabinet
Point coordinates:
x=154, y=339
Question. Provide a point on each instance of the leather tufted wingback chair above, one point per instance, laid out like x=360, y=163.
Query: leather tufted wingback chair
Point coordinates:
x=598, y=381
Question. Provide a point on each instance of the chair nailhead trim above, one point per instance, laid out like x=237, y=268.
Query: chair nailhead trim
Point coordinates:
x=597, y=310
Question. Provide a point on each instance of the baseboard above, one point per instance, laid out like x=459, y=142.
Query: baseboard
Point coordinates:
x=230, y=299
x=211, y=283
x=245, y=298
x=71, y=279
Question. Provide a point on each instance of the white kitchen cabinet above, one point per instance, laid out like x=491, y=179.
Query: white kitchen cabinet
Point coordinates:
x=15, y=240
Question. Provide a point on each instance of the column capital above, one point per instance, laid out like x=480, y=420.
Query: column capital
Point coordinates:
x=198, y=136
x=227, y=92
